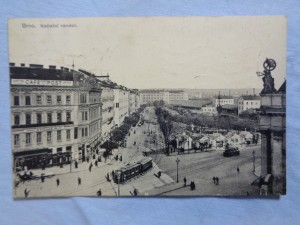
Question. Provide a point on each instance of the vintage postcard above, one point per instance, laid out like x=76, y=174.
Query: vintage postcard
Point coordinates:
x=148, y=106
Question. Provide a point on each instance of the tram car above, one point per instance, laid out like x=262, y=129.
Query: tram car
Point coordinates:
x=130, y=171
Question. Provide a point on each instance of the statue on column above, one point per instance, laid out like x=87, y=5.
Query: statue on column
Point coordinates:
x=269, y=87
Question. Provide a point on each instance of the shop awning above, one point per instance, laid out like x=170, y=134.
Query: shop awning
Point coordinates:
x=33, y=152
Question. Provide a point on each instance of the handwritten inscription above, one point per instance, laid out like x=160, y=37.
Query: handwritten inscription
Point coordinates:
x=49, y=26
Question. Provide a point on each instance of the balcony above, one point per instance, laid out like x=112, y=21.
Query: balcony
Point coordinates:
x=42, y=124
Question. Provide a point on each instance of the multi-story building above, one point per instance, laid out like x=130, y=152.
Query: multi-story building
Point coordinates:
x=121, y=103
x=209, y=109
x=177, y=95
x=149, y=96
x=90, y=116
x=223, y=100
x=55, y=114
x=246, y=102
x=108, y=122
x=133, y=101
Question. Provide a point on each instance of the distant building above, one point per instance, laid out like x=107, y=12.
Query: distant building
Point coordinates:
x=212, y=110
x=223, y=100
x=177, y=96
x=246, y=102
x=149, y=96
x=273, y=140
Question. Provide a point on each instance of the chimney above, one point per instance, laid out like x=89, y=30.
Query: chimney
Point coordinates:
x=22, y=64
x=52, y=67
x=11, y=64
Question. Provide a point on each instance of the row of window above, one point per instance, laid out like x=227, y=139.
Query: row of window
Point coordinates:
x=49, y=136
x=39, y=140
x=39, y=100
x=39, y=118
x=252, y=103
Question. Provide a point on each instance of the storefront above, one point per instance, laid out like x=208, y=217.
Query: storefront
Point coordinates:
x=40, y=158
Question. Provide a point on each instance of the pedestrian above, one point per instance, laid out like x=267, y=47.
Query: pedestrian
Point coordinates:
x=159, y=174
x=214, y=179
x=79, y=181
x=57, y=182
x=135, y=192
x=217, y=180
x=96, y=163
x=87, y=159
x=238, y=169
x=76, y=164
x=90, y=167
x=184, y=180
x=99, y=192
x=61, y=165
x=42, y=178
x=113, y=173
x=120, y=158
x=26, y=193
x=192, y=185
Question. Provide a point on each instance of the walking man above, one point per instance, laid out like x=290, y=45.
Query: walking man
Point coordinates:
x=217, y=180
x=99, y=192
x=184, y=180
x=79, y=180
x=42, y=178
x=57, y=182
x=238, y=169
x=214, y=179
x=26, y=193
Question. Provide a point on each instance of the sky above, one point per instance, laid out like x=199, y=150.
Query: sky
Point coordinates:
x=157, y=52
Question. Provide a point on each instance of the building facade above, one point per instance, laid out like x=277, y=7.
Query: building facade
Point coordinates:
x=121, y=103
x=209, y=110
x=108, y=122
x=223, y=100
x=134, y=101
x=54, y=115
x=149, y=96
x=246, y=102
x=273, y=140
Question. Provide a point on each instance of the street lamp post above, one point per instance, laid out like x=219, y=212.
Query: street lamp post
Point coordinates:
x=253, y=161
x=71, y=164
x=119, y=178
x=177, y=161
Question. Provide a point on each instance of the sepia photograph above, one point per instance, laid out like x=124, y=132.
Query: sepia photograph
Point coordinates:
x=148, y=106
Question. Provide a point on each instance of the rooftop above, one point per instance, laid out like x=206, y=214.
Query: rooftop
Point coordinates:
x=250, y=97
x=39, y=73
